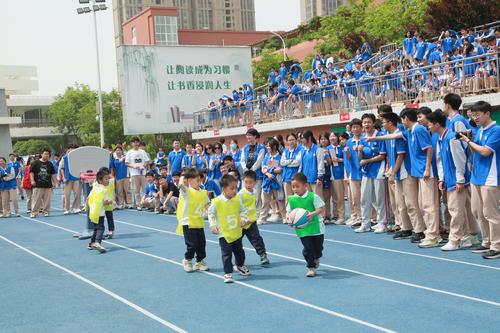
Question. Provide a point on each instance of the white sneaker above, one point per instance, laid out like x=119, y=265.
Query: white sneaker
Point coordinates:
x=201, y=266
x=188, y=265
x=274, y=219
x=363, y=228
x=339, y=222
x=66, y=212
x=139, y=208
x=311, y=272
x=46, y=214
x=261, y=222
x=98, y=247
x=466, y=243
x=349, y=221
x=32, y=215
x=380, y=229
x=450, y=246
x=228, y=278
x=76, y=211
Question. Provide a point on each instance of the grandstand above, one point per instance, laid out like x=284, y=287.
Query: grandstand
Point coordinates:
x=416, y=72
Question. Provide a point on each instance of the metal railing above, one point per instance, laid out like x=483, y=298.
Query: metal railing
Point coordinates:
x=34, y=123
x=468, y=76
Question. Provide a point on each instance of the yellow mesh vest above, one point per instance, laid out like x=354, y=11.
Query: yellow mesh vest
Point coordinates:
x=111, y=194
x=96, y=200
x=191, y=206
x=249, y=201
x=228, y=218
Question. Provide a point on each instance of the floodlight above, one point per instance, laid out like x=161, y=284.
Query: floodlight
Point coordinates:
x=103, y=7
x=86, y=9
x=100, y=0
x=83, y=2
x=95, y=8
x=79, y=10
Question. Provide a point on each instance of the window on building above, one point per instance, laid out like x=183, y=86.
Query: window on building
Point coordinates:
x=166, y=30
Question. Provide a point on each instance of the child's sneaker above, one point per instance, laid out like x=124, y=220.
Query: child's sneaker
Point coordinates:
x=228, y=278
x=264, y=260
x=201, y=266
x=311, y=272
x=89, y=247
x=98, y=247
x=243, y=270
x=33, y=215
x=188, y=265
x=66, y=212
x=316, y=263
x=46, y=214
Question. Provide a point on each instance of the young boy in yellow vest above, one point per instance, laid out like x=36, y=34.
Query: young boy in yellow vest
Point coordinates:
x=96, y=201
x=193, y=203
x=312, y=236
x=249, y=200
x=227, y=217
x=108, y=209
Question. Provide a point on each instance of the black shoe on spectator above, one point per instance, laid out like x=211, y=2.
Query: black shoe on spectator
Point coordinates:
x=417, y=237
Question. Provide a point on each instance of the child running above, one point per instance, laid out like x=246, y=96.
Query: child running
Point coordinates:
x=227, y=218
x=193, y=203
x=96, y=201
x=108, y=209
x=312, y=235
x=249, y=201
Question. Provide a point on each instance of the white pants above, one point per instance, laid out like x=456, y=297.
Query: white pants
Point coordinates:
x=373, y=195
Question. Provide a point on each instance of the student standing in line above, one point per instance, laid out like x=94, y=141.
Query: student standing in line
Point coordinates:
x=312, y=163
x=8, y=188
x=290, y=162
x=272, y=184
x=336, y=152
x=43, y=180
x=352, y=152
x=454, y=178
x=136, y=160
x=252, y=156
x=373, y=191
x=331, y=211
x=175, y=157
x=486, y=179
x=123, y=197
x=71, y=184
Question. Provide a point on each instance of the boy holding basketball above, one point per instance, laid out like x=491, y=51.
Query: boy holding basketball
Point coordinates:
x=249, y=201
x=191, y=208
x=311, y=234
x=227, y=218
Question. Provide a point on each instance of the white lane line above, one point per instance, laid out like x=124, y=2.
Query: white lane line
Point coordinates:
x=98, y=287
x=378, y=277
x=375, y=248
x=262, y=290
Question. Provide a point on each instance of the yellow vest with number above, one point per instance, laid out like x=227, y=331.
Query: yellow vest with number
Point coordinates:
x=228, y=218
x=96, y=200
x=249, y=201
x=111, y=194
x=191, y=206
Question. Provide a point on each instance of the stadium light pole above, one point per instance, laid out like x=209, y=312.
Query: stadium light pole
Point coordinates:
x=84, y=10
x=283, y=42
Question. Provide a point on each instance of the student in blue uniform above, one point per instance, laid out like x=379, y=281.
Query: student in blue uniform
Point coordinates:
x=175, y=158
x=8, y=188
x=373, y=190
x=352, y=161
x=485, y=179
x=252, y=156
x=312, y=163
x=291, y=160
x=454, y=178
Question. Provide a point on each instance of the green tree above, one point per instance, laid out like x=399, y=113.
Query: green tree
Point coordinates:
x=74, y=113
x=458, y=14
x=262, y=67
x=30, y=147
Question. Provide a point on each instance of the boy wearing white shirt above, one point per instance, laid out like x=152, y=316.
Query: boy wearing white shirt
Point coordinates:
x=136, y=160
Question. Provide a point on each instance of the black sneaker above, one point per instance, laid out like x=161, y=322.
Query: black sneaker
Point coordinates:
x=403, y=234
x=417, y=237
x=491, y=254
x=264, y=260
x=356, y=225
x=481, y=249
x=89, y=247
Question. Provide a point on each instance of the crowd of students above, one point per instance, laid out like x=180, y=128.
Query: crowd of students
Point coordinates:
x=398, y=173
x=421, y=71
